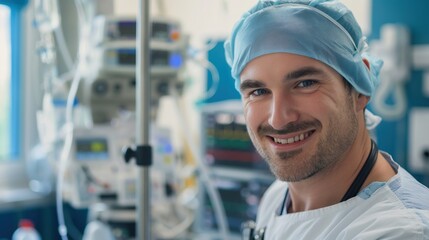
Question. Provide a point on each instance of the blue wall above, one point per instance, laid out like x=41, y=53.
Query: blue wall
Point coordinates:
x=225, y=89
x=393, y=135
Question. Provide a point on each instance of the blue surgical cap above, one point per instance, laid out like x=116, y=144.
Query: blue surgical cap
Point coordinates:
x=325, y=30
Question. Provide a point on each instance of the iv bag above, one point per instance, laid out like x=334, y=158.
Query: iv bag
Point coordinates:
x=46, y=15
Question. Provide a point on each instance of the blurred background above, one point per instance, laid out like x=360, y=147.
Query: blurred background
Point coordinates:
x=68, y=111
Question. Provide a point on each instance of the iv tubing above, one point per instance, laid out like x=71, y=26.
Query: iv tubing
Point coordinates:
x=65, y=53
x=62, y=228
x=65, y=155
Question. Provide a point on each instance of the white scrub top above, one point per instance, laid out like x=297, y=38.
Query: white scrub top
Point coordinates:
x=397, y=209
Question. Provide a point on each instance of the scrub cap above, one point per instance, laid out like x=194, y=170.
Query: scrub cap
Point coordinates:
x=325, y=30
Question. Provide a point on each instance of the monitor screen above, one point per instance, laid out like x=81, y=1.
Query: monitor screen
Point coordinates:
x=91, y=149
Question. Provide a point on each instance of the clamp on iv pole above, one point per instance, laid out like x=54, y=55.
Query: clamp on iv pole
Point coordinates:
x=143, y=152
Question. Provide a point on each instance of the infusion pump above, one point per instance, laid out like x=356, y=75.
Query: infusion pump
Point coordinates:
x=97, y=171
x=114, y=45
x=124, y=28
x=110, y=81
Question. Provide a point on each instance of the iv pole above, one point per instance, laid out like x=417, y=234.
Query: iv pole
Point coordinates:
x=142, y=121
x=143, y=152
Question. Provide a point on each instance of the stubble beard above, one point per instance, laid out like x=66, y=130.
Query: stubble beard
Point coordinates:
x=297, y=165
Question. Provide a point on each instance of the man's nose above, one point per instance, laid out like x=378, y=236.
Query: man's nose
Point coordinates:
x=283, y=111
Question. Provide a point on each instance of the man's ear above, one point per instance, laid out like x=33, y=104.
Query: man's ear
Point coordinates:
x=361, y=102
x=366, y=63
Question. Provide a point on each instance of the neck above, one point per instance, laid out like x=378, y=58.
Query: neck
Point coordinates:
x=329, y=186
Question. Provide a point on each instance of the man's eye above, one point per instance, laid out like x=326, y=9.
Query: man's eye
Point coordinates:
x=306, y=83
x=258, y=92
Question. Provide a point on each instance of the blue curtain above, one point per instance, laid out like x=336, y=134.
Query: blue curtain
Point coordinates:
x=15, y=19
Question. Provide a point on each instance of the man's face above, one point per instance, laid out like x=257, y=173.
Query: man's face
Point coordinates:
x=300, y=116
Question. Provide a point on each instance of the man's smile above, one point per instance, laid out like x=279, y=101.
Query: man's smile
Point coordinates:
x=293, y=139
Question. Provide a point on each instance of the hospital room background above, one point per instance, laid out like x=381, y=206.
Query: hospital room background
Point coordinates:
x=68, y=118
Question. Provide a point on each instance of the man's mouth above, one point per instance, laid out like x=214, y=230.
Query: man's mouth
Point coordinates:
x=294, y=139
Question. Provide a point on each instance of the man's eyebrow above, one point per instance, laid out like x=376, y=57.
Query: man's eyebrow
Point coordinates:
x=302, y=72
x=250, y=83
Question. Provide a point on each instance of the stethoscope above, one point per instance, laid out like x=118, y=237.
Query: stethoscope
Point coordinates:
x=249, y=231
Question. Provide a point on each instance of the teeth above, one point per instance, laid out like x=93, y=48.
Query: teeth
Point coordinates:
x=297, y=138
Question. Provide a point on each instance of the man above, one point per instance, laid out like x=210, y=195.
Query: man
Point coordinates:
x=305, y=81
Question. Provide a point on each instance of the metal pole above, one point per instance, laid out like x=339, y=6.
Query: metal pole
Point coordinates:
x=143, y=100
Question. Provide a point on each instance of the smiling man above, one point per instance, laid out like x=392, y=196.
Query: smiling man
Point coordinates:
x=305, y=82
